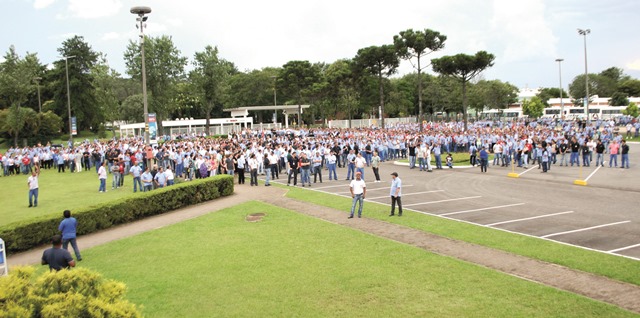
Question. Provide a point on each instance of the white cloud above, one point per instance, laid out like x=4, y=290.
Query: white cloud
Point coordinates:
x=174, y=22
x=62, y=36
x=524, y=30
x=41, y=4
x=110, y=36
x=92, y=9
x=634, y=65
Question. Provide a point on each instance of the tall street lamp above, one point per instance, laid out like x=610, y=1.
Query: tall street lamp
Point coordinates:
x=586, y=73
x=66, y=66
x=275, y=111
x=141, y=19
x=37, y=79
x=560, y=76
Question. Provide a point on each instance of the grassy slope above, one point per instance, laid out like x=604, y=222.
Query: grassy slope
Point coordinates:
x=292, y=265
x=615, y=267
x=57, y=192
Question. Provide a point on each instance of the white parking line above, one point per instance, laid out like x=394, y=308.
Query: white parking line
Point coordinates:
x=376, y=189
x=623, y=248
x=531, y=218
x=482, y=209
x=521, y=173
x=406, y=194
x=334, y=186
x=585, y=229
x=439, y=201
x=594, y=172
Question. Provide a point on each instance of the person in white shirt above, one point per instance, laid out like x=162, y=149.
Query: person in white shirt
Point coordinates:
x=102, y=176
x=358, y=190
x=32, y=181
x=170, y=176
x=360, y=163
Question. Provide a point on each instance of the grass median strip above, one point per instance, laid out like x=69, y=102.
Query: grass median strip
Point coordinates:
x=611, y=266
x=293, y=265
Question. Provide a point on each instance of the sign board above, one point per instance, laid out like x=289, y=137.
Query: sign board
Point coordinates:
x=3, y=260
x=153, y=127
x=74, y=127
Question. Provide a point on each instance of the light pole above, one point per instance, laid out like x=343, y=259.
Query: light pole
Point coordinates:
x=66, y=66
x=37, y=79
x=560, y=76
x=275, y=117
x=586, y=73
x=141, y=19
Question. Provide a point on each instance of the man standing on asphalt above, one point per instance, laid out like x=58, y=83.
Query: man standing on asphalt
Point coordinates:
x=358, y=192
x=32, y=181
x=396, y=194
x=624, y=150
x=68, y=228
x=484, y=159
x=56, y=257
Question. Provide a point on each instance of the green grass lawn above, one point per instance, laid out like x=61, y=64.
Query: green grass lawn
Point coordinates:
x=612, y=266
x=293, y=265
x=57, y=192
x=459, y=158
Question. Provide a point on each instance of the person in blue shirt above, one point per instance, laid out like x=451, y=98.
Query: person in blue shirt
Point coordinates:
x=68, y=228
x=136, y=172
x=160, y=178
x=396, y=194
x=484, y=159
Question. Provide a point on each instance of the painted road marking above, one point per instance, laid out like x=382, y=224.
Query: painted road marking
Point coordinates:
x=439, y=201
x=388, y=196
x=482, y=209
x=521, y=173
x=623, y=248
x=585, y=229
x=531, y=218
x=594, y=172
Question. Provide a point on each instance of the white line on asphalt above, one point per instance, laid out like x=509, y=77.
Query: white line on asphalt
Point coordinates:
x=531, y=218
x=439, y=201
x=585, y=229
x=594, y=172
x=406, y=194
x=523, y=172
x=624, y=248
x=334, y=186
x=489, y=208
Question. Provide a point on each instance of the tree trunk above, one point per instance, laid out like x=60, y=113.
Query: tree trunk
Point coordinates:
x=420, y=110
x=381, y=100
x=464, y=103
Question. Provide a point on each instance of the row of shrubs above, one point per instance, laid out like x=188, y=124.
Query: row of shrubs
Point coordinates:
x=33, y=233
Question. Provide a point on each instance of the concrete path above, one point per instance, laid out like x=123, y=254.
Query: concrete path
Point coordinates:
x=596, y=287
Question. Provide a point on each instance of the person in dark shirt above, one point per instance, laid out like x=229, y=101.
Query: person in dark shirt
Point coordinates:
x=624, y=150
x=292, y=158
x=600, y=153
x=56, y=257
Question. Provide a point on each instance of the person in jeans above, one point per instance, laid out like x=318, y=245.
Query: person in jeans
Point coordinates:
x=624, y=151
x=68, y=228
x=358, y=189
x=305, y=166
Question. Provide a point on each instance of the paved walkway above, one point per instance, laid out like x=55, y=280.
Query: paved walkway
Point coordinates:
x=596, y=287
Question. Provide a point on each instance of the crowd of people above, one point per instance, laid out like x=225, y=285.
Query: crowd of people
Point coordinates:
x=299, y=154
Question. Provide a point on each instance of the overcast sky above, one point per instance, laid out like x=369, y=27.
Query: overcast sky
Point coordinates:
x=525, y=36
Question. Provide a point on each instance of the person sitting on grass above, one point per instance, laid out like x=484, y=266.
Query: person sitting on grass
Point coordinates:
x=449, y=161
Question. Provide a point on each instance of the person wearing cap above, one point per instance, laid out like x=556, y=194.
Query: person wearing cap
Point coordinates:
x=396, y=194
x=358, y=189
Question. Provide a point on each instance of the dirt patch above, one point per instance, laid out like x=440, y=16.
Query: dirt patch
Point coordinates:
x=255, y=217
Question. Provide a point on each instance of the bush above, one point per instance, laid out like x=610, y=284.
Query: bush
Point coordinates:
x=67, y=293
x=29, y=234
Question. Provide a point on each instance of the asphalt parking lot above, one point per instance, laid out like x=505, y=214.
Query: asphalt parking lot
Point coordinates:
x=603, y=216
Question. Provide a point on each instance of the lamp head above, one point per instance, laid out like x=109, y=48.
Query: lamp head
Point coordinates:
x=140, y=10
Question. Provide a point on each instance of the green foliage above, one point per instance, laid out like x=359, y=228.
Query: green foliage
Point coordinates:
x=619, y=99
x=164, y=67
x=296, y=78
x=463, y=67
x=416, y=44
x=631, y=110
x=533, y=107
x=492, y=94
x=630, y=86
x=380, y=61
x=29, y=234
x=550, y=92
x=68, y=293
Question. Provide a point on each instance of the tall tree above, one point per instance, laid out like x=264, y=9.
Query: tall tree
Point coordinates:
x=533, y=107
x=619, y=99
x=630, y=86
x=380, y=61
x=464, y=68
x=416, y=44
x=164, y=66
x=296, y=78
x=209, y=74
x=81, y=61
x=16, y=82
x=105, y=84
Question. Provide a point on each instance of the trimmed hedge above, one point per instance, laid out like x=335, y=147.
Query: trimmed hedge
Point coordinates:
x=26, y=235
